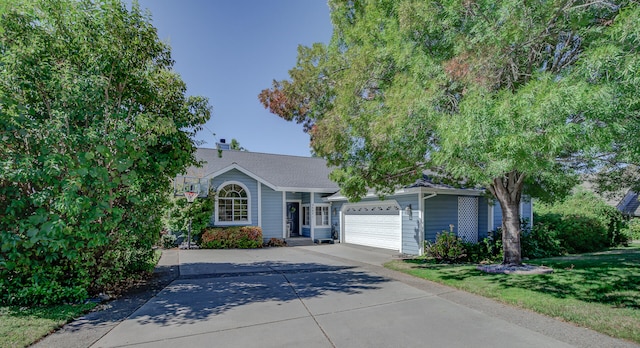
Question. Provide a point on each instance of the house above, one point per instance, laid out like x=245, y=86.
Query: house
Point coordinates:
x=625, y=200
x=291, y=196
x=629, y=205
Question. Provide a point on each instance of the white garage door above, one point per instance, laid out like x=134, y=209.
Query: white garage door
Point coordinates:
x=373, y=225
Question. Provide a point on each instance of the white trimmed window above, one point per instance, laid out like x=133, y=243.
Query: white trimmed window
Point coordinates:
x=322, y=215
x=306, y=216
x=233, y=204
x=319, y=215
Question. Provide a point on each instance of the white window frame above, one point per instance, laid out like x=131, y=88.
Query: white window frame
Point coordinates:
x=217, y=208
x=325, y=213
x=306, y=215
x=311, y=220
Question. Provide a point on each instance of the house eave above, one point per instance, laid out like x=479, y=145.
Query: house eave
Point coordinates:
x=244, y=171
x=416, y=190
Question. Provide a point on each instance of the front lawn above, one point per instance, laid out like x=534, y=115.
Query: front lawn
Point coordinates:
x=20, y=327
x=599, y=290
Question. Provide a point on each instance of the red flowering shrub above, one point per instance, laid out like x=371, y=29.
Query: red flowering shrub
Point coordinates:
x=234, y=237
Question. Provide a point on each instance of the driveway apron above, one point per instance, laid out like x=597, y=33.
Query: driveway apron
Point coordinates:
x=324, y=296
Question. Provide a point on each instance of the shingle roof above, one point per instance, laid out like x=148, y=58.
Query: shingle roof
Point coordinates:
x=630, y=205
x=282, y=171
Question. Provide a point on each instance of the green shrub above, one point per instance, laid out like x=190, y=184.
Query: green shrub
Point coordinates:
x=180, y=211
x=245, y=237
x=168, y=240
x=583, y=209
x=488, y=249
x=634, y=229
x=447, y=248
x=576, y=234
x=539, y=242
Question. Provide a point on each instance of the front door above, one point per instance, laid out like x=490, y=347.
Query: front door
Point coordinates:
x=293, y=219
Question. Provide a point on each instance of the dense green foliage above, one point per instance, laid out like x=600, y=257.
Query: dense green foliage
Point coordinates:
x=94, y=124
x=634, y=229
x=244, y=237
x=180, y=211
x=576, y=234
x=500, y=94
x=447, y=248
x=584, y=222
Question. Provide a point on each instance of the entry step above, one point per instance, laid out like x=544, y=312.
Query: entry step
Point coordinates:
x=324, y=240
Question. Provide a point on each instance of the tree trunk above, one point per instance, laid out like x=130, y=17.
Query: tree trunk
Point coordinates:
x=508, y=191
x=511, y=233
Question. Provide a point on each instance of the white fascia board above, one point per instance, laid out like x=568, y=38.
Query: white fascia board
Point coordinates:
x=372, y=195
x=304, y=189
x=414, y=190
x=453, y=191
x=244, y=171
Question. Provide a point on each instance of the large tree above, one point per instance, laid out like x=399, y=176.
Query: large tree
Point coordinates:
x=94, y=125
x=484, y=93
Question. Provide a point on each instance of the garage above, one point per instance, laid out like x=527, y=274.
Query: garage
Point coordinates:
x=376, y=224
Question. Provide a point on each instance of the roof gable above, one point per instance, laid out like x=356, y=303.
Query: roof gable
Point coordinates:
x=279, y=172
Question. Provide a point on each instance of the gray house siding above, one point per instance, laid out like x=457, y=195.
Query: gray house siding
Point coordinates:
x=322, y=232
x=306, y=231
x=410, y=225
x=483, y=218
x=440, y=211
x=526, y=210
x=294, y=196
x=271, y=213
x=335, y=219
x=250, y=183
x=497, y=215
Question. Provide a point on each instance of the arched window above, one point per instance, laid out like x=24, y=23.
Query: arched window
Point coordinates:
x=233, y=204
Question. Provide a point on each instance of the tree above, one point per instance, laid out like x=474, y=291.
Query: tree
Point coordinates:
x=94, y=124
x=483, y=93
x=235, y=145
x=613, y=61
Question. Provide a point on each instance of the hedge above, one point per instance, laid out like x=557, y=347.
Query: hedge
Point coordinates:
x=241, y=237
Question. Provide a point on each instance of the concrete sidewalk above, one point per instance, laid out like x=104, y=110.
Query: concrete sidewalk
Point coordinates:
x=322, y=296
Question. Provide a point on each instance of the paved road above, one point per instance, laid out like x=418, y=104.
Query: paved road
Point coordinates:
x=326, y=296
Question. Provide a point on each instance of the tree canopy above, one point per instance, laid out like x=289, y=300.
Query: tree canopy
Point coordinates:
x=504, y=95
x=94, y=125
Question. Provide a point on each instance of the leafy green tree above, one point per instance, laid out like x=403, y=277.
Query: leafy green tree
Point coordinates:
x=235, y=145
x=94, y=124
x=484, y=93
x=612, y=60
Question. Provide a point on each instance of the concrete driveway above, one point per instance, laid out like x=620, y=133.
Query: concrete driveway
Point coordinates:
x=326, y=296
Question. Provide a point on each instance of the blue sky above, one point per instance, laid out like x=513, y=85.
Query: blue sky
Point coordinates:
x=229, y=50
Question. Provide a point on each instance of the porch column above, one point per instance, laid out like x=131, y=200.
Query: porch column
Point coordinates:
x=259, y=204
x=312, y=215
x=284, y=214
x=420, y=223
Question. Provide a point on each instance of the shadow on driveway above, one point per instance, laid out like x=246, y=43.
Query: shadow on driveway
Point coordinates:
x=220, y=287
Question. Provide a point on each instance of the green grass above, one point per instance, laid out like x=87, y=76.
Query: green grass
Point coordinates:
x=20, y=327
x=600, y=290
